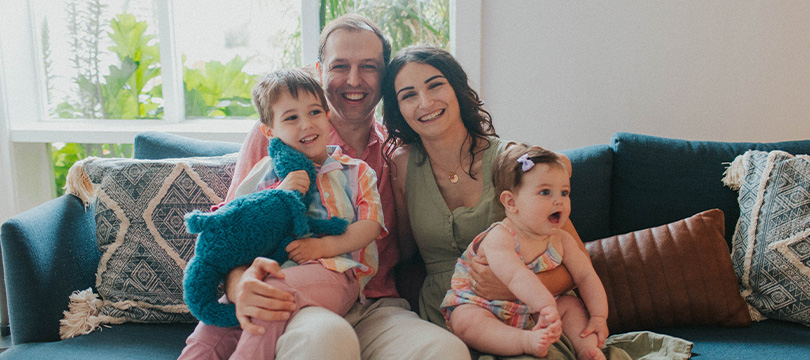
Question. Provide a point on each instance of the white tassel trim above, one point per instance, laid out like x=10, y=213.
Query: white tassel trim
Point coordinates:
x=755, y=314
x=735, y=173
x=78, y=183
x=82, y=316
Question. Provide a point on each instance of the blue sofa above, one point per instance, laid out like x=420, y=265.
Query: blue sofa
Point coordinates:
x=634, y=182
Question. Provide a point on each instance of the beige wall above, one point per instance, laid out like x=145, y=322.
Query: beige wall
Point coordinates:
x=566, y=74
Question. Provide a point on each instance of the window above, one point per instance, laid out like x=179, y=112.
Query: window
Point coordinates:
x=56, y=57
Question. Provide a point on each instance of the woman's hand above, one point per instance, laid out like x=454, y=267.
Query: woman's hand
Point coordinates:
x=484, y=282
x=254, y=298
x=297, y=180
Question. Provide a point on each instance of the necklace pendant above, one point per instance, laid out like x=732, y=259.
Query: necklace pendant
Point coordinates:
x=453, y=178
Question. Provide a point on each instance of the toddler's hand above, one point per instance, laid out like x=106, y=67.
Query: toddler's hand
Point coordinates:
x=303, y=250
x=597, y=325
x=548, y=318
x=297, y=180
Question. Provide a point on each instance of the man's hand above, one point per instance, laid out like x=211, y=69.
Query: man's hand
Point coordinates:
x=303, y=250
x=484, y=282
x=297, y=180
x=256, y=299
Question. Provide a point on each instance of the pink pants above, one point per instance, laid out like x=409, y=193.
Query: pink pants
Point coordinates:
x=310, y=284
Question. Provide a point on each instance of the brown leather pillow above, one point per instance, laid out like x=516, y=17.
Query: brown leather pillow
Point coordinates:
x=672, y=275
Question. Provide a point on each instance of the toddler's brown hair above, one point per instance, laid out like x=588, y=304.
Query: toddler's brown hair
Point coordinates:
x=271, y=86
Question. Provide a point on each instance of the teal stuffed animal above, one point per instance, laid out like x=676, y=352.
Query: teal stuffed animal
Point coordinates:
x=258, y=224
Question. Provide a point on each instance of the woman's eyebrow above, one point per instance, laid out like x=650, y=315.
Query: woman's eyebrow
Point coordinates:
x=426, y=81
x=432, y=78
x=405, y=88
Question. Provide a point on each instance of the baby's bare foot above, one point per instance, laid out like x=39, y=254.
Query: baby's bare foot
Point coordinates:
x=536, y=342
x=591, y=354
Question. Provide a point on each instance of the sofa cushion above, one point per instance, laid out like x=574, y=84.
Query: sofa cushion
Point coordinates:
x=672, y=275
x=139, y=211
x=125, y=341
x=658, y=180
x=771, y=248
x=770, y=339
x=158, y=145
x=590, y=190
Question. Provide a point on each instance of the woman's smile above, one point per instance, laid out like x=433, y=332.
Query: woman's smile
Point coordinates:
x=431, y=116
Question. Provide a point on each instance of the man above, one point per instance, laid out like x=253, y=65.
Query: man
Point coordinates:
x=352, y=57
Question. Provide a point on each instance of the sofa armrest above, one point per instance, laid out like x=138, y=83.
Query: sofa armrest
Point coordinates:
x=48, y=252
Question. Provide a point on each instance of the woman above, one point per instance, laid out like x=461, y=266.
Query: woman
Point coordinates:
x=443, y=144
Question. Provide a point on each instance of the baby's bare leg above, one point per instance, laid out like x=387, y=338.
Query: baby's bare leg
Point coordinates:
x=480, y=329
x=574, y=320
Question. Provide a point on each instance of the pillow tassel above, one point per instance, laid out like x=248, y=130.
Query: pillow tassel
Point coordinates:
x=735, y=173
x=81, y=318
x=78, y=183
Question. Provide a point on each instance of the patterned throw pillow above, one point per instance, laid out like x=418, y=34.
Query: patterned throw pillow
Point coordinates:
x=139, y=208
x=771, y=245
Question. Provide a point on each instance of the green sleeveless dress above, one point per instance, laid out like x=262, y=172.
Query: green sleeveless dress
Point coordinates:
x=443, y=235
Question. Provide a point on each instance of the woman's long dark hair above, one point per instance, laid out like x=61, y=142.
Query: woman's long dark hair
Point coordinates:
x=476, y=120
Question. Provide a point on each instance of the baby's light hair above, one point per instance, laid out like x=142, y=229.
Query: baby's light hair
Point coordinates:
x=272, y=86
x=508, y=171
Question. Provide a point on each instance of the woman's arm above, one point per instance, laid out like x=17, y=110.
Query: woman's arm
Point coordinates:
x=398, y=170
x=557, y=280
x=499, y=248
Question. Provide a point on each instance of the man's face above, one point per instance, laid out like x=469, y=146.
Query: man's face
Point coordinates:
x=351, y=72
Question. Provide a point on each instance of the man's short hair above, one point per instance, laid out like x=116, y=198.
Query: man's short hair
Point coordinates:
x=354, y=22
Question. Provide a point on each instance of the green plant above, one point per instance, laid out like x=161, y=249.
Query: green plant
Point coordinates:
x=405, y=22
x=219, y=89
x=64, y=155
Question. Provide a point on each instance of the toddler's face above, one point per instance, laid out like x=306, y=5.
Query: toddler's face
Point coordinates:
x=542, y=202
x=302, y=123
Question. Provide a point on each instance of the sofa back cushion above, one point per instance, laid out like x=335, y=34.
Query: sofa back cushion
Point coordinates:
x=659, y=180
x=159, y=145
x=590, y=190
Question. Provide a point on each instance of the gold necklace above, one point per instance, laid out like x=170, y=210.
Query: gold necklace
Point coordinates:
x=453, y=177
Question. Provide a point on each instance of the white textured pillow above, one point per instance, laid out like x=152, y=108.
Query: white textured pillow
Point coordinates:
x=771, y=244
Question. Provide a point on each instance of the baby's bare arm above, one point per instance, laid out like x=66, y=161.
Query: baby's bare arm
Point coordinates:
x=579, y=266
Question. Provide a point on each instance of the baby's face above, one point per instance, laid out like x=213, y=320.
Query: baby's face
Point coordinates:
x=302, y=123
x=542, y=202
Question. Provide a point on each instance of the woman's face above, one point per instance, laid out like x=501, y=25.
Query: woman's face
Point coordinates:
x=427, y=101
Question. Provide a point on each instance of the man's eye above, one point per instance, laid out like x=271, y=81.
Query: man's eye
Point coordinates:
x=369, y=67
x=339, y=67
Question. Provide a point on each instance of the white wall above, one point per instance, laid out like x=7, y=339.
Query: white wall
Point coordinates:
x=565, y=74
